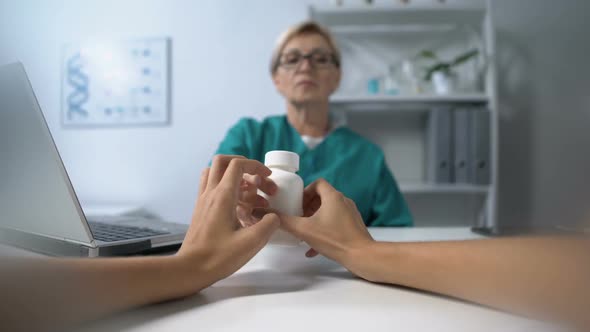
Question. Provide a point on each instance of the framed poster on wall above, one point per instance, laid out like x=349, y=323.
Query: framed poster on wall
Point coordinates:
x=110, y=84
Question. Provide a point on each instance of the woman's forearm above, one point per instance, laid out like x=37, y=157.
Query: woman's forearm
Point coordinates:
x=46, y=294
x=532, y=276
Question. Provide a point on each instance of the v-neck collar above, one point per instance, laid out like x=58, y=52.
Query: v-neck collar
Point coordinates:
x=297, y=142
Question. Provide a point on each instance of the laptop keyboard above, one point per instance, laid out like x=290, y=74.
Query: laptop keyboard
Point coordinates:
x=109, y=232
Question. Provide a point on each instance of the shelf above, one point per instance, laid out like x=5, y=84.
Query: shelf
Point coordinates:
x=399, y=15
x=426, y=188
x=385, y=29
x=408, y=102
x=374, y=36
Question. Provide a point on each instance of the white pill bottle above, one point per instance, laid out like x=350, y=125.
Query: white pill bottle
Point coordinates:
x=289, y=197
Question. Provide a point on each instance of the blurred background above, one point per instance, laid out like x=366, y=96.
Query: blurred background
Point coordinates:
x=216, y=71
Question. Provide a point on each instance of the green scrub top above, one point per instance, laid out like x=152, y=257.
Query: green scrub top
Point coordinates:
x=350, y=163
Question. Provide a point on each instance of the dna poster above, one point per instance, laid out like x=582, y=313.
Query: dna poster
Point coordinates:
x=116, y=83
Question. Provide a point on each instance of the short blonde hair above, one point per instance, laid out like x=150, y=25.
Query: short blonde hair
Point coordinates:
x=303, y=28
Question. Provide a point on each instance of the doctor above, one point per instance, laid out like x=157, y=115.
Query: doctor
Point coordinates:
x=305, y=68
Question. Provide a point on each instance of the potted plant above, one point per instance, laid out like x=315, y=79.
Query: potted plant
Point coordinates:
x=441, y=72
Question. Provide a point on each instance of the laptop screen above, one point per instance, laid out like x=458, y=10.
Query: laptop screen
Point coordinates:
x=36, y=195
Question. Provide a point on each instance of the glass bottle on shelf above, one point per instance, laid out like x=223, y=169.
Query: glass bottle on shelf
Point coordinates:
x=411, y=81
x=391, y=84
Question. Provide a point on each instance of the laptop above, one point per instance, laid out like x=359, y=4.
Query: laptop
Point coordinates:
x=39, y=209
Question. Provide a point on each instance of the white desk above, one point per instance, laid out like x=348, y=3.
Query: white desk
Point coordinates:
x=317, y=295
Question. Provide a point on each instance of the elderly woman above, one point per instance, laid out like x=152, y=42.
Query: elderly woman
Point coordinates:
x=305, y=68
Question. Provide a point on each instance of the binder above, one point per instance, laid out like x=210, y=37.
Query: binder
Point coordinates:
x=479, y=157
x=438, y=145
x=461, y=138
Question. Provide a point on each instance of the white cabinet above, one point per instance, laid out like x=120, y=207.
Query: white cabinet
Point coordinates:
x=374, y=38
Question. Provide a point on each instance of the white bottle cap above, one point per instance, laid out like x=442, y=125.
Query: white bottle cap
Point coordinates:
x=285, y=159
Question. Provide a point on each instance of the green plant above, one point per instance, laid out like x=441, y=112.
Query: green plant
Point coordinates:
x=445, y=66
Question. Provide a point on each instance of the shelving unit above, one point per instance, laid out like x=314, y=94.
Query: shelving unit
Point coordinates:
x=399, y=15
x=397, y=122
x=425, y=188
x=362, y=103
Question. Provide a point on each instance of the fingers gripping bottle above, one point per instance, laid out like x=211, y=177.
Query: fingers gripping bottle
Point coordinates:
x=289, y=197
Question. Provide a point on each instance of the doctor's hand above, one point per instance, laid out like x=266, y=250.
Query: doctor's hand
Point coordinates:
x=331, y=225
x=216, y=245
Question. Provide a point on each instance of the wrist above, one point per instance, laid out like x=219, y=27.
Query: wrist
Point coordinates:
x=191, y=272
x=367, y=262
x=355, y=258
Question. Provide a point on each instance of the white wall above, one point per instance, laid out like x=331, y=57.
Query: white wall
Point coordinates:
x=221, y=50
x=220, y=57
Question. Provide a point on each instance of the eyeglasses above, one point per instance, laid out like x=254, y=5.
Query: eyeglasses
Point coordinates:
x=317, y=59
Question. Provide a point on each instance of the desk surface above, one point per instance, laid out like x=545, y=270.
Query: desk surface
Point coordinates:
x=280, y=290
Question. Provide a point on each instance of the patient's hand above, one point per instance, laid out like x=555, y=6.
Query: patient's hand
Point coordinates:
x=331, y=223
x=250, y=201
x=216, y=245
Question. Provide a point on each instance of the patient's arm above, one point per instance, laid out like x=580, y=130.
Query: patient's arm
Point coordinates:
x=52, y=293
x=41, y=294
x=548, y=277
x=545, y=277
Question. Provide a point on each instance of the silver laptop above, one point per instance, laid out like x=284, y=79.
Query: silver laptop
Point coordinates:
x=39, y=209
